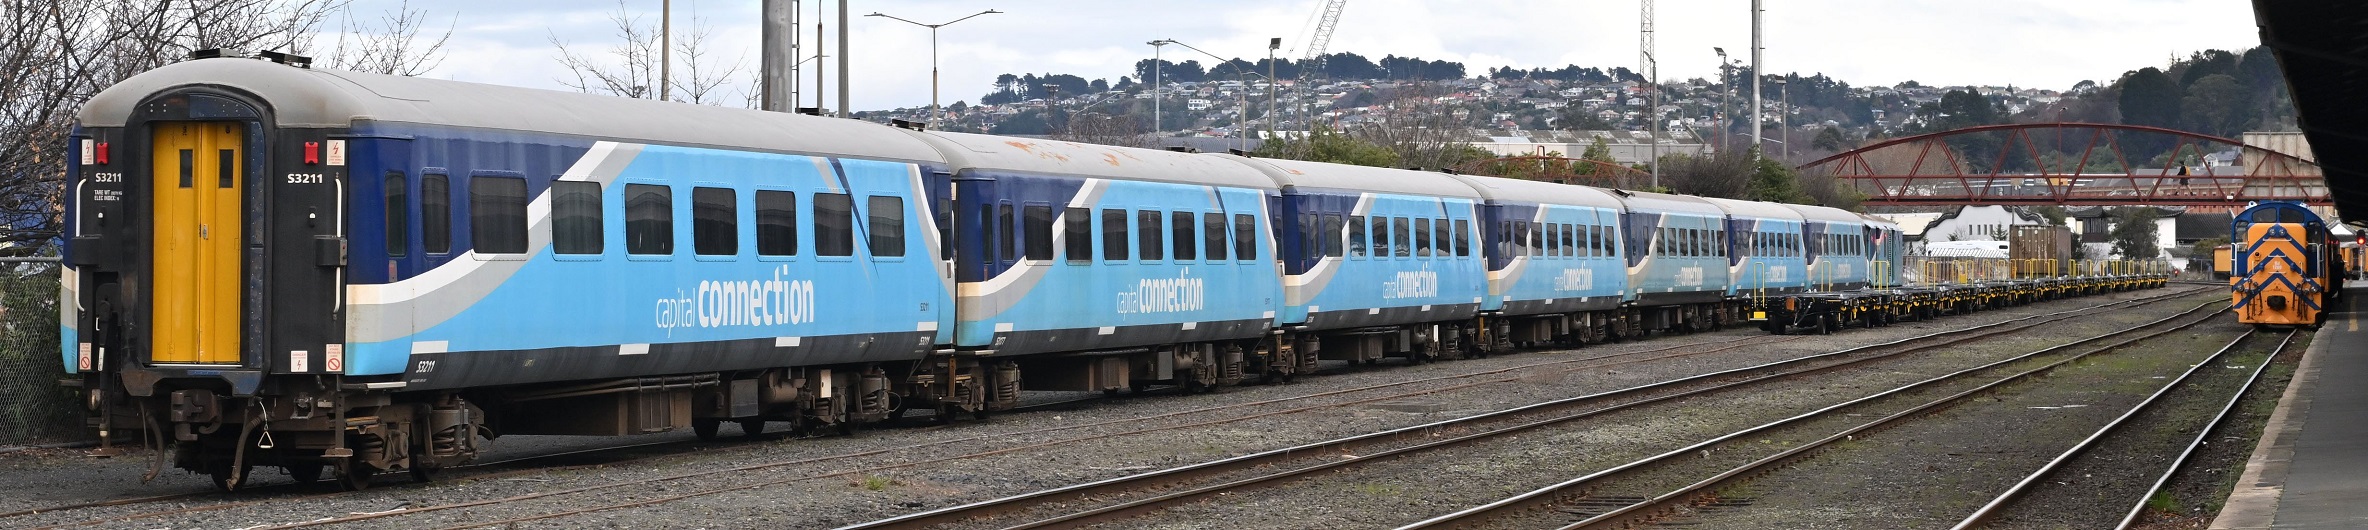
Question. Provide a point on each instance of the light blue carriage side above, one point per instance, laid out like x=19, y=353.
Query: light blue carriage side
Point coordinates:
x=1886, y=258
x=1324, y=289
x=1837, y=248
x=1056, y=300
x=1675, y=253
x=1761, y=257
x=1553, y=248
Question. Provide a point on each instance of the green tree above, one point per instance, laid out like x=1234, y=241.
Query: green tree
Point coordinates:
x=2217, y=104
x=2150, y=97
x=2134, y=232
x=1772, y=181
x=1326, y=145
x=1832, y=139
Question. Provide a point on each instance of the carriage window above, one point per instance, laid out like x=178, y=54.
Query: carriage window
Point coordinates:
x=1006, y=233
x=649, y=219
x=1439, y=235
x=1356, y=235
x=1463, y=237
x=1039, y=219
x=1332, y=235
x=834, y=224
x=1381, y=237
x=1212, y=233
x=1422, y=237
x=497, y=214
x=887, y=226
x=1504, y=238
x=1245, y=236
x=1552, y=234
x=776, y=223
x=1077, y=234
x=1181, y=222
x=1570, y=240
x=398, y=214
x=1154, y=243
x=1405, y=240
x=575, y=217
x=1114, y=235
x=435, y=213
x=715, y=220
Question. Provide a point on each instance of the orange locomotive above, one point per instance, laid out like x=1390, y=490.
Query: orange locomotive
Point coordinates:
x=2287, y=270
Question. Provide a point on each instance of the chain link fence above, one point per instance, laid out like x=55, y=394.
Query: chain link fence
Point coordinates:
x=33, y=408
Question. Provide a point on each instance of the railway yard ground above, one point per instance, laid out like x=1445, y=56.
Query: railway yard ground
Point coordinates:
x=1892, y=427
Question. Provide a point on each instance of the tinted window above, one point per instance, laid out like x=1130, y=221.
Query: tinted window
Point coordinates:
x=1400, y=232
x=1005, y=234
x=1039, y=231
x=1439, y=235
x=649, y=219
x=1114, y=235
x=1212, y=232
x=1356, y=235
x=575, y=217
x=497, y=214
x=1422, y=237
x=1463, y=237
x=1332, y=235
x=1154, y=245
x=1077, y=234
x=834, y=224
x=435, y=213
x=715, y=222
x=1381, y=237
x=1245, y=234
x=398, y=214
x=1184, y=238
x=887, y=226
x=776, y=223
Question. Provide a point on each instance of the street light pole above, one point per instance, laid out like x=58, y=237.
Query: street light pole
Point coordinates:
x=1271, y=85
x=1156, y=46
x=1726, y=87
x=1783, y=119
x=1244, y=113
x=933, y=110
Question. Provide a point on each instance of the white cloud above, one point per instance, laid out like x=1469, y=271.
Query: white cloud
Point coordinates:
x=2023, y=42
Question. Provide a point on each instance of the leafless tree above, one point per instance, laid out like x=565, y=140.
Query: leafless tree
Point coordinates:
x=56, y=54
x=390, y=45
x=632, y=68
x=1421, y=128
x=1724, y=174
x=1105, y=129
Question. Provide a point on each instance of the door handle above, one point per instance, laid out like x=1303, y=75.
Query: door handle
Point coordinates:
x=202, y=231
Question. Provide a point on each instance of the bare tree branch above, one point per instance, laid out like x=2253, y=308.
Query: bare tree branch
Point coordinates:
x=391, y=44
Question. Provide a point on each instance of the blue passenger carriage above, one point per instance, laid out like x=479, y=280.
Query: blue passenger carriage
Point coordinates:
x=1376, y=262
x=1837, y=247
x=1554, y=267
x=1678, y=276
x=1158, y=265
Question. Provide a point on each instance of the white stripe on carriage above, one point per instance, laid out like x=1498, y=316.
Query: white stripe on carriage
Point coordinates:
x=786, y=342
x=633, y=349
x=430, y=346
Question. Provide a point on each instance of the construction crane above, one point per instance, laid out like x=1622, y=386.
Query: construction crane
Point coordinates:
x=1326, y=21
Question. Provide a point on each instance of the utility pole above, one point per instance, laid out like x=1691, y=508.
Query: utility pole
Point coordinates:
x=844, y=100
x=1155, y=88
x=665, y=48
x=1784, y=118
x=933, y=108
x=780, y=56
x=1652, y=111
x=1726, y=87
x=1755, y=75
x=819, y=70
x=1272, y=84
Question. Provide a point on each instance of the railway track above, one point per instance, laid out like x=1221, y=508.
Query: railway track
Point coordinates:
x=2007, y=504
x=1480, y=378
x=1593, y=499
x=1228, y=476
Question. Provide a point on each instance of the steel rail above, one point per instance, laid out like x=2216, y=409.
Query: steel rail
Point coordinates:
x=2205, y=433
x=956, y=513
x=1476, y=513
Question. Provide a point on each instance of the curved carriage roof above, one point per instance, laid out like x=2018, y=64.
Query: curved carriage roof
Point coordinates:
x=1826, y=214
x=1878, y=222
x=1645, y=201
x=1027, y=155
x=1505, y=189
x=1754, y=209
x=1294, y=173
x=305, y=98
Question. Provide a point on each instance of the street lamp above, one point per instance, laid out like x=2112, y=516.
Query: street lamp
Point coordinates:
x=932, y=54
x=1726, y=85
x=1783, y=125
x=1237, y=76
x=1156, y=46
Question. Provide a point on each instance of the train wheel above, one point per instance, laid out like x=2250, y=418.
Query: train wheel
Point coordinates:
x=305, y=473
x=752, y=428
x=354, y=476
x=705, y=428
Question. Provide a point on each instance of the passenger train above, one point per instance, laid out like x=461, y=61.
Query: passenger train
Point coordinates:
x=2288, y=268
x=345, y=274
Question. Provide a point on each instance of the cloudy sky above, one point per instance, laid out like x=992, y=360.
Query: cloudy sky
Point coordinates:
x=2032, y=43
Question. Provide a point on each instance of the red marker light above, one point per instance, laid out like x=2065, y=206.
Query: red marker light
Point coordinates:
x=100, y=153
x=312, y=153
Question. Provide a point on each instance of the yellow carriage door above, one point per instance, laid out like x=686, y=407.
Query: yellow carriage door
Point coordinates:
x=199, y=223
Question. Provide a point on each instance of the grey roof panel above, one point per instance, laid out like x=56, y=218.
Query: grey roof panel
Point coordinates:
x=1028, y=155
x=1828, y=214
x=1754, y=209
x=305, y=98
x=1663, y=202
x=1499, y=189
x=1294, y=173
